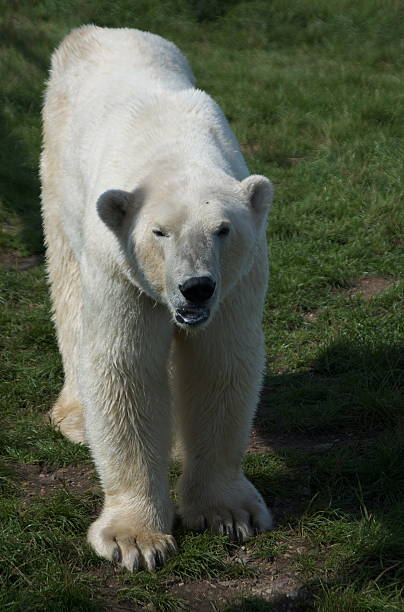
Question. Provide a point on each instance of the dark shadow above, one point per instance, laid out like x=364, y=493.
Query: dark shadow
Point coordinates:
x=347, y=392
x=26, y=42
x=20, y=133
x=210, y=10
x=342, y=420
x=19, y=185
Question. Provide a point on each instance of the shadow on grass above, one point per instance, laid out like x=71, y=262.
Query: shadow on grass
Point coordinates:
x=338, y=428
x=349, y=390
x=210, y=10
x=20, y=131
x=25, y=41
x=19, y=184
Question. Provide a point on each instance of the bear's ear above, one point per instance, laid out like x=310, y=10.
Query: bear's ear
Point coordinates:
x=116, y=208
x=260, y=192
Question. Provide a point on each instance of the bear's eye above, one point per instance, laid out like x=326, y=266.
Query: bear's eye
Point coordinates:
x=159, y=233
x=223, y=231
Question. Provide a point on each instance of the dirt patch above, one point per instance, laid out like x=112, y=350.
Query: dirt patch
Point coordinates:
x=14, y=261
x=367, y=287
x=370, y=286
x=251, y=148
x=293, y=161
x=273, y=582
x=40, y=480
x=263, y=442
x=311, y=317
x=111, y=580
x=113, y=606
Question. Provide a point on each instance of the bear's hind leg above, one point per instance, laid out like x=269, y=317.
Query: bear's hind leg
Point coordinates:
x=68, y=418
x=63, y=270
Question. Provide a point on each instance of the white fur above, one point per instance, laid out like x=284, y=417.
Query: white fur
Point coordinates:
x=131, y=148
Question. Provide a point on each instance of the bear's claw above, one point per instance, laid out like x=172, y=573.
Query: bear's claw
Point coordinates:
x=237, y=528
x=131, y=549
x=238, y=511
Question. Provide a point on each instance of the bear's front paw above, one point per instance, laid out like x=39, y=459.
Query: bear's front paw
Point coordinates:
x=230, y=507
x=120, y=541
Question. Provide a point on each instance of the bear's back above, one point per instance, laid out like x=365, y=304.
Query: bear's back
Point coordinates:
x=90, y=50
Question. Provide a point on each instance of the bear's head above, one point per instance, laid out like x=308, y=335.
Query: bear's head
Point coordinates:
x=188, y=242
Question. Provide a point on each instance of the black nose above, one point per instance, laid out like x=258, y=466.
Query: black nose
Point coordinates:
x=198, y=289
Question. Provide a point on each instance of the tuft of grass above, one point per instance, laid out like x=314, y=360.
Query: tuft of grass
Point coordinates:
x=348, y=599
x=145, y=591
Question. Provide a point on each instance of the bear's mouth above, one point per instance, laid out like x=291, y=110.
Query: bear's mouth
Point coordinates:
x=192, y=316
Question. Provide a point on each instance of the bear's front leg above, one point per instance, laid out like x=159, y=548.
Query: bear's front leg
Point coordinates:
x=217, y=377
x=124, y=389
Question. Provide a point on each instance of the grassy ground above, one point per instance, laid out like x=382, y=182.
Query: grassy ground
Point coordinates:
x=312, y=89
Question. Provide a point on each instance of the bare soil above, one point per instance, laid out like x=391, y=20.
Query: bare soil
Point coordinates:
x=40, y=480
x=276, y=583
x=15, y=261
x=367, y=287
x=370, y=286
x=263, y=442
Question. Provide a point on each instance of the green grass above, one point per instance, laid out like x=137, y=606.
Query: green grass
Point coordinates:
x=313, y=90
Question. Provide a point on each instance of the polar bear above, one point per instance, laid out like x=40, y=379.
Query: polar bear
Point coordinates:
x=157, y=263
